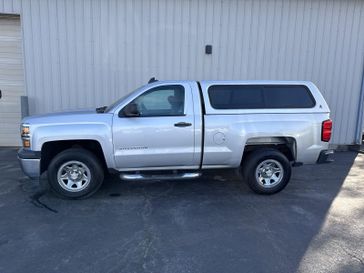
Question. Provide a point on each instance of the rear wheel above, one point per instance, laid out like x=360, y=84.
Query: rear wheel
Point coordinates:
x=267, y=171
x=75, y=173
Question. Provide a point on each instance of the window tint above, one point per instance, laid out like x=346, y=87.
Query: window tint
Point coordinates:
x=162, y=101
x=236, y=96
x=260, y=96
x=288, y=97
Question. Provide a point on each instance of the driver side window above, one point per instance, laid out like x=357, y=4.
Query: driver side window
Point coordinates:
x=162, y=101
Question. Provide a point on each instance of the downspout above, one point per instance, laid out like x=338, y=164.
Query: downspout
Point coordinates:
x=359, y=121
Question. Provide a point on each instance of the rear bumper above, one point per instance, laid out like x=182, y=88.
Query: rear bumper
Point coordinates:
x=326, y=156
x=29, y=162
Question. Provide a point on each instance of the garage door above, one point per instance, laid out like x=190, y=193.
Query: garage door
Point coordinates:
x=11, y=80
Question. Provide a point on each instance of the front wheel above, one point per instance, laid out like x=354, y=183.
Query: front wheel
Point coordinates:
x=267, y=171
x=75, y=173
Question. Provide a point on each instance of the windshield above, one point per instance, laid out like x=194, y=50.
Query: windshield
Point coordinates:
x=119, y=101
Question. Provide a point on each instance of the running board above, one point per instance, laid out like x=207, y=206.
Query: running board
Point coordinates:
x=139, y=177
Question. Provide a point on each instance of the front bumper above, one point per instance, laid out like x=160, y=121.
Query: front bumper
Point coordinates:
x=326, y=156
x=29, y=162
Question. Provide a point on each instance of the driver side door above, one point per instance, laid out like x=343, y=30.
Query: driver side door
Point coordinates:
x=161, y=135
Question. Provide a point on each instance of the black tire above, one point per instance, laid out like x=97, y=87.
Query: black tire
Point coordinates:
x=83, y=156
x=252, y=162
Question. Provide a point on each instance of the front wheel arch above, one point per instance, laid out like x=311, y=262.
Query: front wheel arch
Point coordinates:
x=51, y=149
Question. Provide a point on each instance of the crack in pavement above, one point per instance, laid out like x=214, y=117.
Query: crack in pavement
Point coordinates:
x=355, y=257
x=37, y=190
x=150, y=235
x=35, y=200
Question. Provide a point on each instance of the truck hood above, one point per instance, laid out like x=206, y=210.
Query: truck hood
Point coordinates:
x=69, y=117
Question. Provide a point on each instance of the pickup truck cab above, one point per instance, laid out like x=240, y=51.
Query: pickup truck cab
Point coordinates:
x=178, y=129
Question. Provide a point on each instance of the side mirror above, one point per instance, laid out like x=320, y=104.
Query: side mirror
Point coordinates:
x=131, y=110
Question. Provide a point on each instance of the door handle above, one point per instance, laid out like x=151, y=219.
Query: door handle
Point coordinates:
x=182, y=124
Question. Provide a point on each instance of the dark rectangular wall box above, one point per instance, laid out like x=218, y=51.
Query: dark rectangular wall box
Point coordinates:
x=208, y=49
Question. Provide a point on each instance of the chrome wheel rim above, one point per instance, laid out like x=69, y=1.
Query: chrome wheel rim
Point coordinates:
x=269, y=173
x=74, y=176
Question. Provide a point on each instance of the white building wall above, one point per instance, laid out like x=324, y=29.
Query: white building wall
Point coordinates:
x=82, y=53
x=10, y=6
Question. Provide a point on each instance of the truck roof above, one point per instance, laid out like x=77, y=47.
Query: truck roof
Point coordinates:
x=245, y=82
x=254, y=82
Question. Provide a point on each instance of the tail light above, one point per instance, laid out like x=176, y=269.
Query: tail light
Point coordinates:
x=326, y=130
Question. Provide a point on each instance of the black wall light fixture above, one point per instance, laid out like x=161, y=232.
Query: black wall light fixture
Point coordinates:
x=208, y=49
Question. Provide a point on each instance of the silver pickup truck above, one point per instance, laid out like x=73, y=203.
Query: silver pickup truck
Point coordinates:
x=178, y=129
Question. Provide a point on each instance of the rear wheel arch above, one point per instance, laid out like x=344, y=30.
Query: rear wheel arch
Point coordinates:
x=286, y=145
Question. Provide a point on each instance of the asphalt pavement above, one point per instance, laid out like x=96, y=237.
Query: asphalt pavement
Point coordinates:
x=212, y=224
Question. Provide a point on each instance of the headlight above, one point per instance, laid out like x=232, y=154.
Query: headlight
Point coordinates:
x=25, y=135
x=25, y=130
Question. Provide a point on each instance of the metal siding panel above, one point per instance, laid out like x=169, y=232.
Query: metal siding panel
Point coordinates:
x=39, y=97
x=179, y=37
x=70, y=53
x=128, y=45
x=225, y=58
x=45, y=55
x=355, y=76
x=144, y=58
x=113, y=66
x=63, y=55
x=197, y=62
x=344, y=67
x=16, y=6
x=104, y=55
x=163, y=32
x=96, y=49
x=78, y=14
x=120, y=77
x=253, y=40
x=185, y=18
x=29, y=56
x=193, y=47
x=54, y=90
x=88, y=53
x=10, y=6
x=334, y=63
